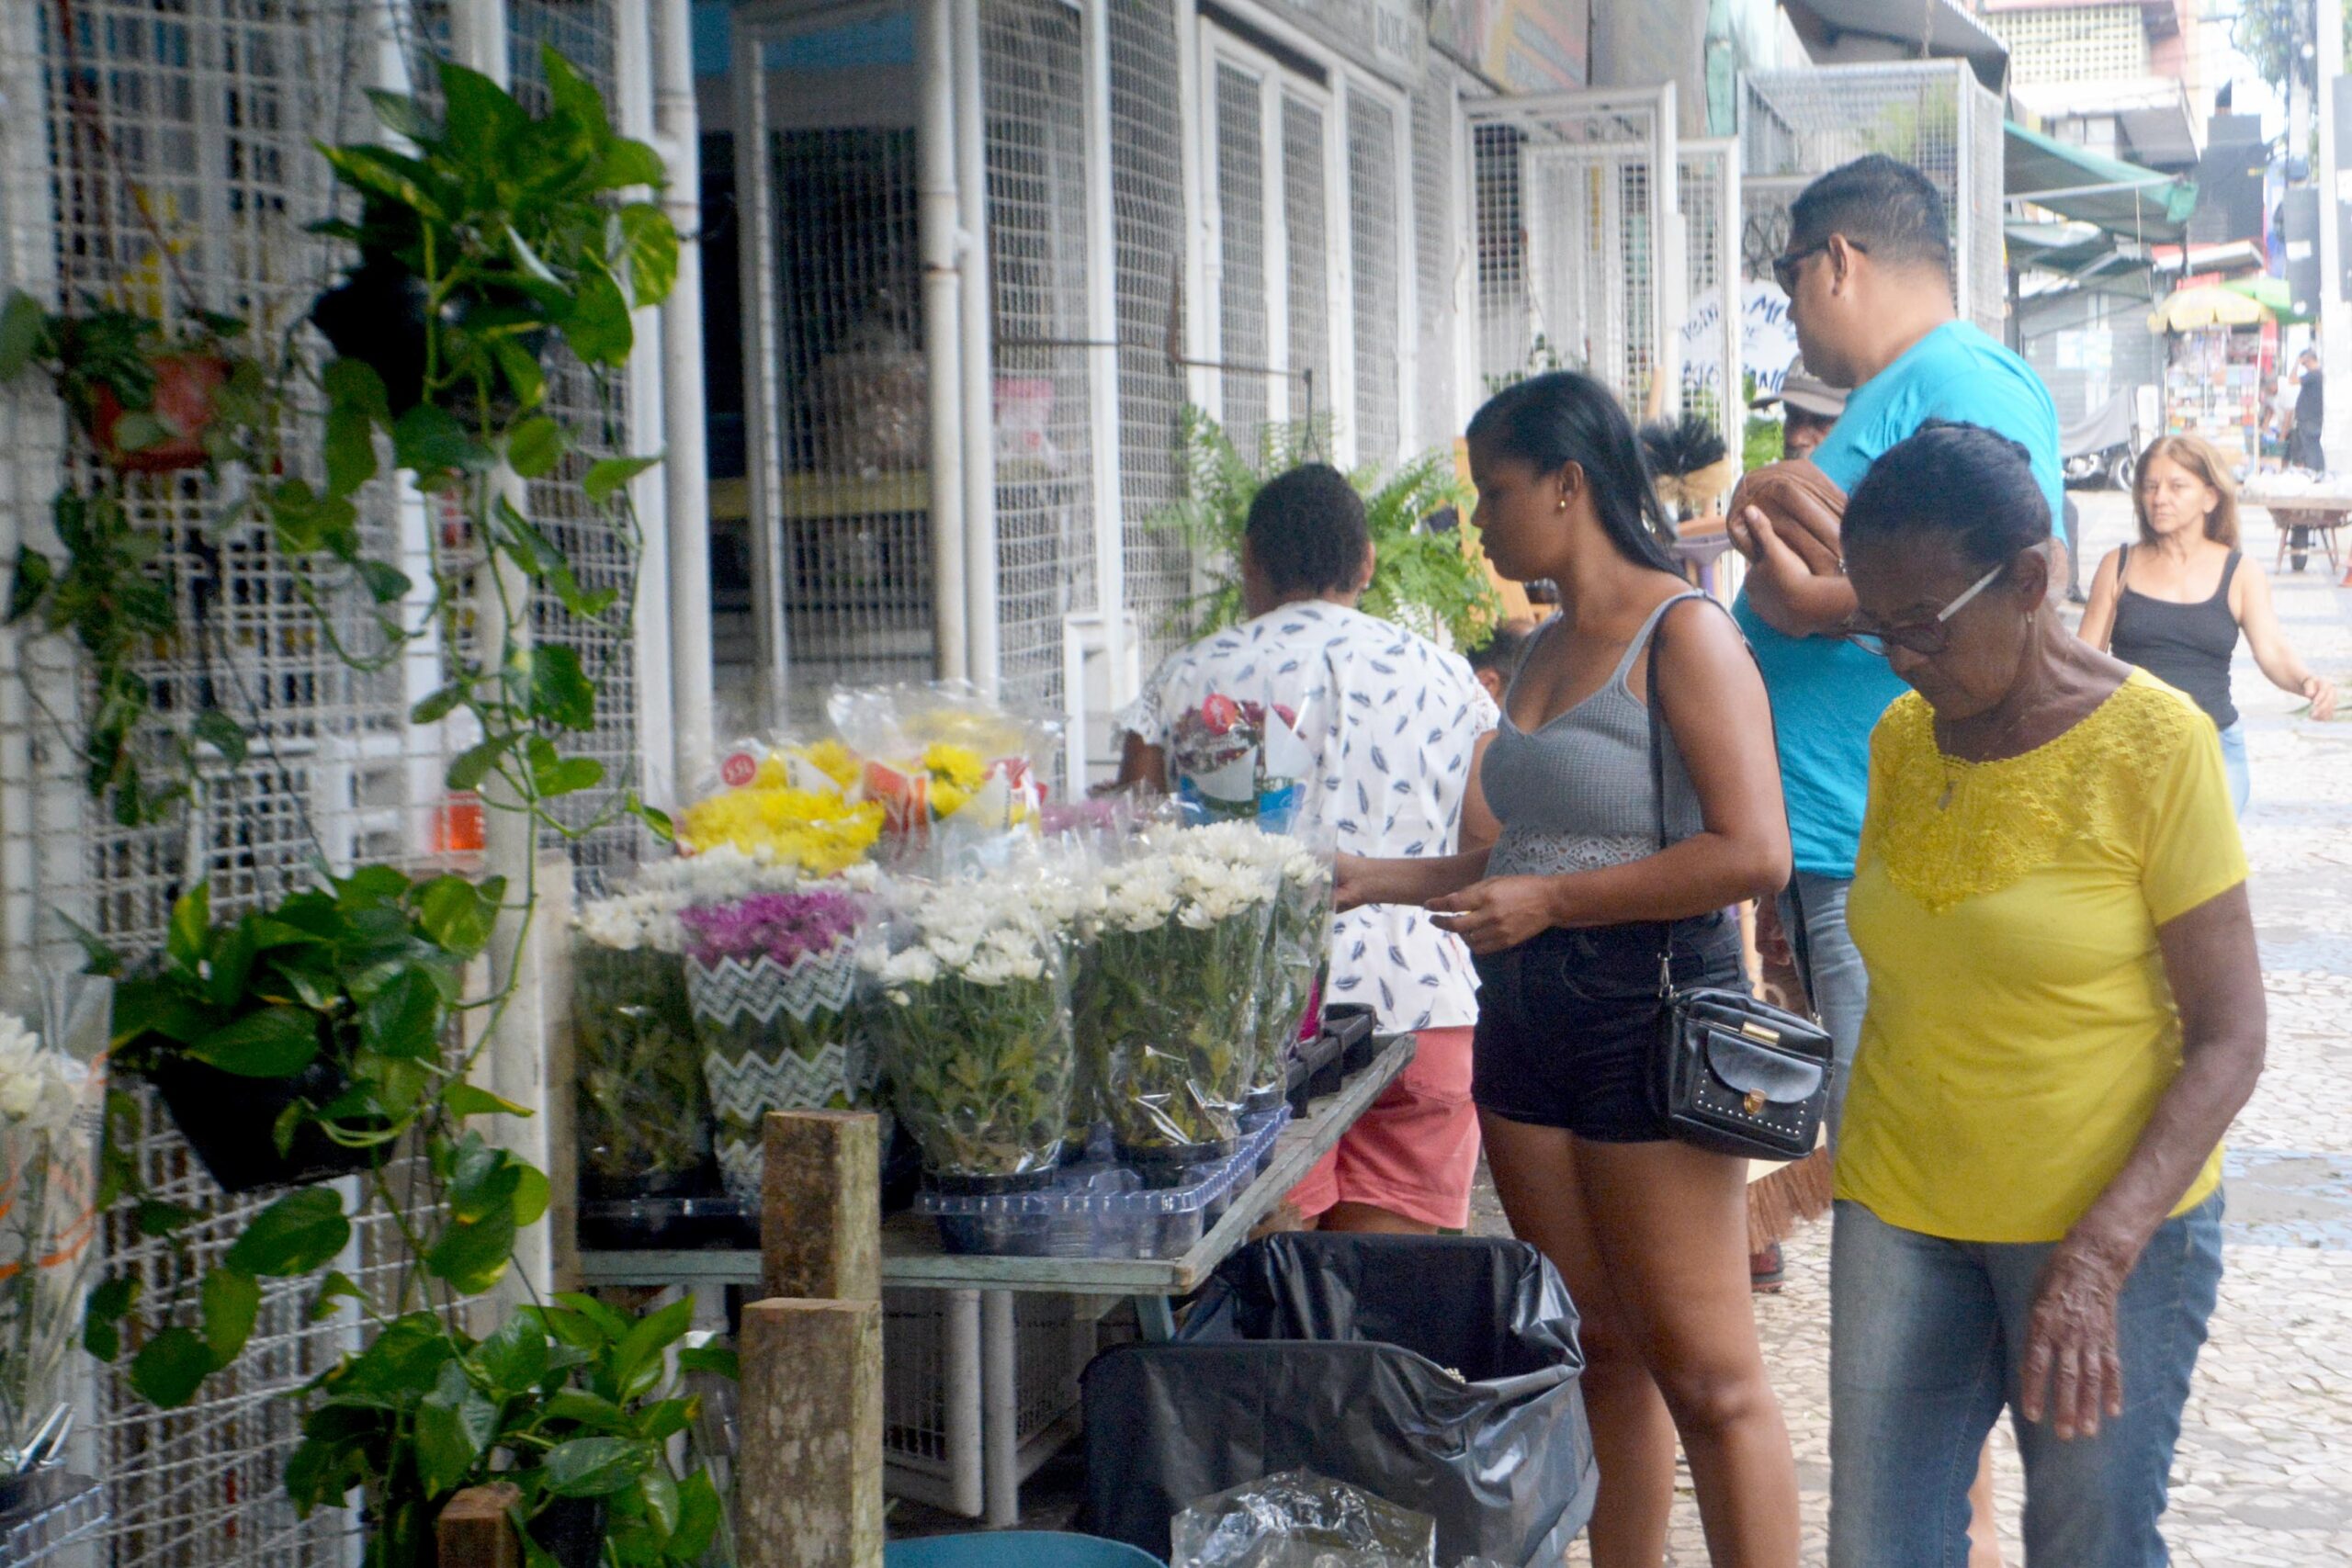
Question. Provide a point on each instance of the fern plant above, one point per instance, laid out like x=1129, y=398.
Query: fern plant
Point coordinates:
x=1429, y=579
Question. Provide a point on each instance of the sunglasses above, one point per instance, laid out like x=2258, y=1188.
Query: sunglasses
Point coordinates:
x=1926, y=638
x=1784, y=266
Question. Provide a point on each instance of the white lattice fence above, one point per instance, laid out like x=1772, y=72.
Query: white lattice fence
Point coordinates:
x=1378, y=286
x=1711, y=219
x=1033, y=89
x=1149, y=233
x=1574, y=195
x=1933, y=115
x=159, y=156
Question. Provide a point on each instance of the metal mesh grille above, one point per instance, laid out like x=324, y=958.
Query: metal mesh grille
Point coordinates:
x=1307, y=242
x=1705, y=172
x=1567, y=230
x=1241, y=253
x=1148, y=221
x=1033, y=76
x=1798, y=124
x=853, y=424
x=600, y=543
x=1437, y=254
x=1371, y=246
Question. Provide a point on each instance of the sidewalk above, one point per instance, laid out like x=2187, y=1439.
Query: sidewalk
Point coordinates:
x=2260, y=1482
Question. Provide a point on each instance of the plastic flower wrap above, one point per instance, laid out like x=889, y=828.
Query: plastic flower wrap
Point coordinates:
x=791, y=806
x=1235, y=758
x=969, y=1003
x=643, y=1120
x=770, y=979
x=1167, y=1004
x=948, y=767
x=1298, y=944
x=52, y=1091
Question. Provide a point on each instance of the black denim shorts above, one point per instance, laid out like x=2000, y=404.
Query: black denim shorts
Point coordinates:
x=1567, y=1023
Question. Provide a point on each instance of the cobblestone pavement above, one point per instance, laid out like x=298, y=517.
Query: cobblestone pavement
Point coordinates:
x=2266, y=1449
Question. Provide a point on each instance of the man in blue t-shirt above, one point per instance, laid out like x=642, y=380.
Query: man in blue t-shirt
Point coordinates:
x=1867, y=273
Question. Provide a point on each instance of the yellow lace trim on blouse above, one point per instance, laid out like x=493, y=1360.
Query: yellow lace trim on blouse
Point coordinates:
x=1948, y=831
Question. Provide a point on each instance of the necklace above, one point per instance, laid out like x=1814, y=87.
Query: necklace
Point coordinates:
x=1954, y=767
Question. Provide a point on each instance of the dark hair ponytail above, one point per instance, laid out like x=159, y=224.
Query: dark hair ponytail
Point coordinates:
x=1563, y=417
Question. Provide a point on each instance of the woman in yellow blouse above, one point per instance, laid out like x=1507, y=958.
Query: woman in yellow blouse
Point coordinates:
x=2065, y=1013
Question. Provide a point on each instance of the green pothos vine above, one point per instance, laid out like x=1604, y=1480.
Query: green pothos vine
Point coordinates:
x=483, y=232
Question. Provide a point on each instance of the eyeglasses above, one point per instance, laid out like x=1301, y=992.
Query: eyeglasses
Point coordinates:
x=1926, y=638
x=1784, y=266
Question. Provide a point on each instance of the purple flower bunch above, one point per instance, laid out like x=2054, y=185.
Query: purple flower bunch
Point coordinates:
x=786, y=927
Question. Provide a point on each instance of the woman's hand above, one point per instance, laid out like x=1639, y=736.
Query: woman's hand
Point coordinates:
x=2321, y=692
x=2072, y=1374
x=1498, y=913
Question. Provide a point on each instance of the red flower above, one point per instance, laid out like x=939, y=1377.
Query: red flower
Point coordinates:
x=1220, y=712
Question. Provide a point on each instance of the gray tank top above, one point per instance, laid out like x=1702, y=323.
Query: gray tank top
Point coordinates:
x=1574, y=795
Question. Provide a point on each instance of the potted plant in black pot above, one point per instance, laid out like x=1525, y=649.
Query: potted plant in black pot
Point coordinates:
x=499, y=230
x=289, y=1044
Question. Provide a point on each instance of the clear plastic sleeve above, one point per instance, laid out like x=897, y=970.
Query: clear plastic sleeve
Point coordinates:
x=1167, y=995
x=1299, y=1519
x=968, y=998
x=53, y=1037
x=644, y=1118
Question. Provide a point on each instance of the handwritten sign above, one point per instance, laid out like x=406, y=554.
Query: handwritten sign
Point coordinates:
x=1768, y=341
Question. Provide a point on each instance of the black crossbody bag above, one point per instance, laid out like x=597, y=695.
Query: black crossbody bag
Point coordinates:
x=1729, y=1073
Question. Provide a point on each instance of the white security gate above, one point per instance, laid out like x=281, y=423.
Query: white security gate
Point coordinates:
x=1712, y=369
x=1579, y=224
x=1934, y=115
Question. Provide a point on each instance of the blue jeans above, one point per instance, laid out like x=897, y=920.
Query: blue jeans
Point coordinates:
x=1926, y=1339
x=2233, y=763
x=1833, y=974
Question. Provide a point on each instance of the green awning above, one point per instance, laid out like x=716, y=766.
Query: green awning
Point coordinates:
x=2121, y=197
x=2273, y=294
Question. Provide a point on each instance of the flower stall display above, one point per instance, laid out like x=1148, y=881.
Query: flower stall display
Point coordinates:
x=771, y=977
x=791, y=806
x=53, y=1092
x=970, y=990
x=1167, y=1009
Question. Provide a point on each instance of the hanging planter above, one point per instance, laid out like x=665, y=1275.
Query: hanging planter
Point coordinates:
x=183, y=406
x=377, y=316
x=232, y=1123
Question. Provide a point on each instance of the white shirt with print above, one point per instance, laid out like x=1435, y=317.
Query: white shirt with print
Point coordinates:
x=1391, y=719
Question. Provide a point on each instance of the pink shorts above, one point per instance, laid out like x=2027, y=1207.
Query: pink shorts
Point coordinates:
x=1415, y=1153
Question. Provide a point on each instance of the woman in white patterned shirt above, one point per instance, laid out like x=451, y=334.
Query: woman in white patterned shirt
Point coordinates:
x=1389, y=719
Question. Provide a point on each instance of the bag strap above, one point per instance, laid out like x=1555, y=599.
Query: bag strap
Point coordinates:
x=1658, y=776
x=1657, y=781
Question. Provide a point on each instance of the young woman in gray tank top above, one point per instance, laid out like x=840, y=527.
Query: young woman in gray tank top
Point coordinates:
x=1564, y=914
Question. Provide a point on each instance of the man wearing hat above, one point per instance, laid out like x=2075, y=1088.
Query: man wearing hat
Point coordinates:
x=1812, y=404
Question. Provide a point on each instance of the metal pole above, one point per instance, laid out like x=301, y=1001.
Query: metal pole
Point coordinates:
x=685, y=475
x=1103, y=327
x=979, y=583
x=648, y=432
x=942, y=287
x=763, y=453
x=2335, y=317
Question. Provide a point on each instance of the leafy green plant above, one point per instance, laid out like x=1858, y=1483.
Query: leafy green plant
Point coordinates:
x=1432, y=581
x=568, y=1401
x=354, y=1003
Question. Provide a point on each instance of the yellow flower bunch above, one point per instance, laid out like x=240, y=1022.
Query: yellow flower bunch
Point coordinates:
x=832, y=759
x=823, y=834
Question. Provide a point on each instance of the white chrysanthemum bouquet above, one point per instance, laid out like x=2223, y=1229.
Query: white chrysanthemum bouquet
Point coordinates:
x=1167, y=1004
x=968, y=1002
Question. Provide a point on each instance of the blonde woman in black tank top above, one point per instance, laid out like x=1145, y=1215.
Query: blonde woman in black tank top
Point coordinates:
x=2175, y=602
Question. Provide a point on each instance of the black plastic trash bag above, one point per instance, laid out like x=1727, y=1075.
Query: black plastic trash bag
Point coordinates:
x=1436, y=1372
